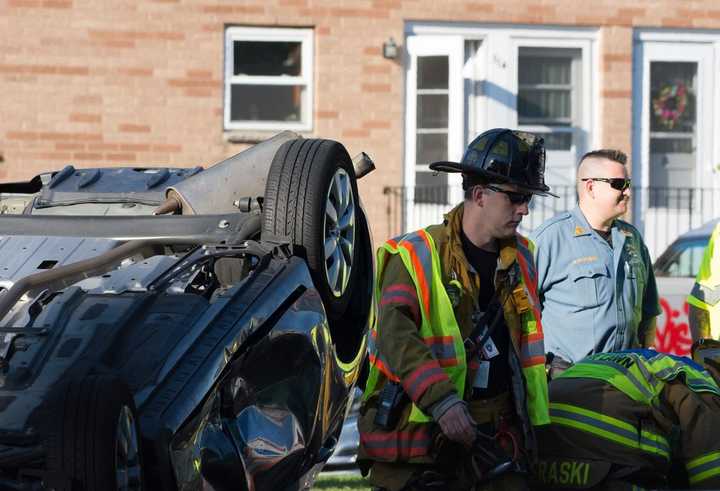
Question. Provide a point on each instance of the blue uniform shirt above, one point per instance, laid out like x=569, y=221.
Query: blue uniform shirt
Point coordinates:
x=593, y=296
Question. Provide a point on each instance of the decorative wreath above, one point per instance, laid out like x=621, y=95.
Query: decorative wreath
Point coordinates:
x=670, y=104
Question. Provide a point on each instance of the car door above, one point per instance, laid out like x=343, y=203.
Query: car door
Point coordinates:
x=675, y=272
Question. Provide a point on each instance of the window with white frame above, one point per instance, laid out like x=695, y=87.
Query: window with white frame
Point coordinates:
x=268, y=78
x=549, y=95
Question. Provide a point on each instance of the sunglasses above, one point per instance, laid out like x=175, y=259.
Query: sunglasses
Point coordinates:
x=514, y=197
x=619, y=183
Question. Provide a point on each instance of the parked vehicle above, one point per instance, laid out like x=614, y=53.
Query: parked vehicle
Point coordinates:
x=675, y=271
x=215, y=344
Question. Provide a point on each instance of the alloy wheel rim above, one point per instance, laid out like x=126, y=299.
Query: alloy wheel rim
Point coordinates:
x=339, y=232
x=127, y=453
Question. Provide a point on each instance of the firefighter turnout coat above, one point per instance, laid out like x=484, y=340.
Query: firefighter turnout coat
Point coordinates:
x=623, y=416
x=418, y=337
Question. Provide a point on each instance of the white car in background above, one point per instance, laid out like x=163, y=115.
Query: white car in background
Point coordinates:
x=675, y=272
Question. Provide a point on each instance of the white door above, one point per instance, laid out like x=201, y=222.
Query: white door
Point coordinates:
x=673, y=87
x=434, y=126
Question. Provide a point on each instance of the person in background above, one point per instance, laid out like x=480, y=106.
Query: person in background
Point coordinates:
x=704, y=299
x=457, y=350
x=595, y=279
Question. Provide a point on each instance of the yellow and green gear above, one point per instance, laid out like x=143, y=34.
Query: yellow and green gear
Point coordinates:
x=705, y=294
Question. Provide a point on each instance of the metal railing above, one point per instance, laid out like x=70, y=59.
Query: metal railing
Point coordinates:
x=661, y=214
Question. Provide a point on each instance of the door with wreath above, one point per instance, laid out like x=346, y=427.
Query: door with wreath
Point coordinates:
x=674, y=189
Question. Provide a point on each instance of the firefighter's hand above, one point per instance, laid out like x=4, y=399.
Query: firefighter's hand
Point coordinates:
x=457, y=425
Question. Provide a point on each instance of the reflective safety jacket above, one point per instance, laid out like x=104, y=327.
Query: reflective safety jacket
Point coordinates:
x=442, y=329
x=615, y=412
x=705, y=294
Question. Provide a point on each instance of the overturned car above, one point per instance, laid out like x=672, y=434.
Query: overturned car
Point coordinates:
x=182, y=328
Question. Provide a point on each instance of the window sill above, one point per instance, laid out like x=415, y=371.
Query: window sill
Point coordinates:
x=252, y=137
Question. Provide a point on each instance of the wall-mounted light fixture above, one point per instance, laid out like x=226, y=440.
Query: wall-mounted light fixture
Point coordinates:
x=390, y=49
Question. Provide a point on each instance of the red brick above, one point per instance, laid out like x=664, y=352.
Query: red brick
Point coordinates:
x=135, y=71
x=372, y=51
x=69, y=146
x=121, y=157
x=203, y=74
x=24, y=3
x=480, y=7
x=176, y=82
x=22, y=135
x=134, y=147
x=102, y=147
x=229, y=9
x=355, y=133
x=85, y=118
x=617, y=94
x=376, y=125
x=375, y=69
x=87, y=156
x=376, y=88
x=133, y=128
x=631, y=12
x=617, y=58
x=292, y=3
x=327, y=114
x=117, y=43
x=323, y=30
x=88, y=99
x=198, y=92
x=675, y=22
x=59, y=156
x=57, y=4
x=166, y=147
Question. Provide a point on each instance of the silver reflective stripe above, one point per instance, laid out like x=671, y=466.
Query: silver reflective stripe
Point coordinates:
x=644, y=390
x=621, y=432
x=708, y=295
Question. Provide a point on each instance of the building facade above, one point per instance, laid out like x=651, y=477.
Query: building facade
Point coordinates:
x=191, y=82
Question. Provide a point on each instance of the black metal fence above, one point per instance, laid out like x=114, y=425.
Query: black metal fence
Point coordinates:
x=661, y=214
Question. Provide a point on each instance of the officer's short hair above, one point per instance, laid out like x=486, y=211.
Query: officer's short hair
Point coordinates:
x=469, y=181
x=606, y=153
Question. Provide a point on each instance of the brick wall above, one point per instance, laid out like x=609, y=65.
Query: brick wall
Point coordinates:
x=141, y=82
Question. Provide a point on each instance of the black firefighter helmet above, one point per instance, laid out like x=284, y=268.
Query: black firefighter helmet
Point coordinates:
x=507, y=156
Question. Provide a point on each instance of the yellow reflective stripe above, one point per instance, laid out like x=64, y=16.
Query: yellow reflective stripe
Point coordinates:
x=537, y=395
x=703, y=467
x=608, y=427
x=696, y=302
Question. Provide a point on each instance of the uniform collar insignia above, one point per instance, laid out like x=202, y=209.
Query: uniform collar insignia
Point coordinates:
x=579, y=230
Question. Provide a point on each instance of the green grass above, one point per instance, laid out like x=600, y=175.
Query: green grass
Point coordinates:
x=341, y=482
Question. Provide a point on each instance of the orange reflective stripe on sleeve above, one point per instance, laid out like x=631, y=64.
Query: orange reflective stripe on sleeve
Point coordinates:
x=423, y=377
x=396, y=444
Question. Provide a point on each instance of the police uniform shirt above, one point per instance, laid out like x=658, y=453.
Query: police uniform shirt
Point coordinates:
x=593, y=295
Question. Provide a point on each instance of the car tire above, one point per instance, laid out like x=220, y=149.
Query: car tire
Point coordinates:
x=311, y=197
x=99, y=439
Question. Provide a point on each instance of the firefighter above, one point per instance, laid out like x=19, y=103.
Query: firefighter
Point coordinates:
x=704, y=299
x=458, y=346
x=634, y=419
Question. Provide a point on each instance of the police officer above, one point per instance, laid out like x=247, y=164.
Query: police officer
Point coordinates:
x=704, y=300
x=634, y=419
x=595, y=278
x=458, y=344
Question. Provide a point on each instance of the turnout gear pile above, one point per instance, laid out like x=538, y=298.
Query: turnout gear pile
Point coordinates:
x=624, y=418
x=425, y=349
